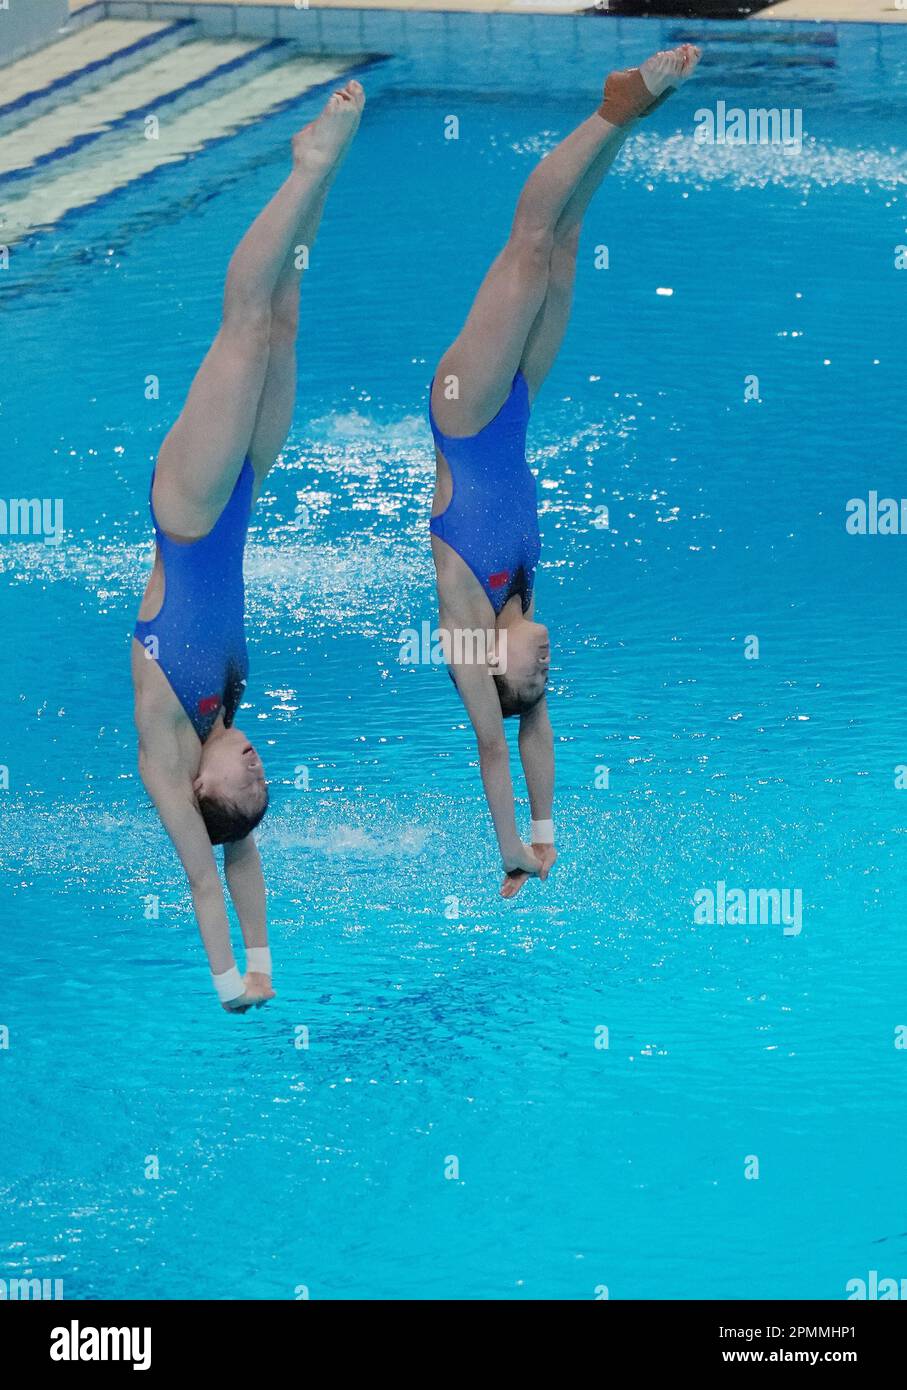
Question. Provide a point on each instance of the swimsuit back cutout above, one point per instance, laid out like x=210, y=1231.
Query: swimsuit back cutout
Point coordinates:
x=492, y=520
x=200, y=629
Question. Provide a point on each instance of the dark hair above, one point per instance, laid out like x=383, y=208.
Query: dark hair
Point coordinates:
x=225, y=822
x=513, y=701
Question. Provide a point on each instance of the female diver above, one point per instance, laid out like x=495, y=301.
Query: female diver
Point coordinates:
x=189, y=662
x=484, y=523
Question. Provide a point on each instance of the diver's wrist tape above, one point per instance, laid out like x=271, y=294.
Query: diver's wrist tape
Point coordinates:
x=541, y=832
x=258, y=960
x=229, y=985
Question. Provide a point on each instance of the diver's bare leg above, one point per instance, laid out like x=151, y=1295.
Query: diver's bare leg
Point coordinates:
x=547, y=332
x=278, y=396
x=201, y=457
x=483, y=360
x=479, y=366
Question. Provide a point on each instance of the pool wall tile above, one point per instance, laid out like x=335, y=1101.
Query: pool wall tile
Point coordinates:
x=341, y=30
x=298, y=24
x=418, y=22
x=384, y=30
x=217, y=21
x=169, y=11
x=256, y=21
x=499, y=46
x=132, y=9
x=495, y=31
x=149, y=10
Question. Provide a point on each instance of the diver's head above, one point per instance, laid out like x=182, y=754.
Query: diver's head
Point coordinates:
x=524, y=679
x=230, y=788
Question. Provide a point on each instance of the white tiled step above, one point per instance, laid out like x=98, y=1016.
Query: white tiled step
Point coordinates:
x=98, y=110
x=83, y=181
x=95, y=43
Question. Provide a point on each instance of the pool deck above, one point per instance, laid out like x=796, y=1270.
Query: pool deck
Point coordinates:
x=865, y=11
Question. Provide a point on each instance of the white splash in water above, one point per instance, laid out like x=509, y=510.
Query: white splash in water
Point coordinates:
x=351, y=840
x=680, y=158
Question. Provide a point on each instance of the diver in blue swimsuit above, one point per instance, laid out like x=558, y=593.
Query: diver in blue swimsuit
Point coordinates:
x=484, y=524
x=189, y=662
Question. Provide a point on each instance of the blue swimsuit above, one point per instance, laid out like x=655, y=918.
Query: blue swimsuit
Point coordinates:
x=492, y=520
x=200, y=629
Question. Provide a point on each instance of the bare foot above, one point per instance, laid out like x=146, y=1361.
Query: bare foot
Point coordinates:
x=258, y=988
x=321, y=145
x=637, y=91
x=241, y=1005
x=669, y=68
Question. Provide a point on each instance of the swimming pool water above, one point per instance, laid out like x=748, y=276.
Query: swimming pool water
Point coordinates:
x=441, y=1021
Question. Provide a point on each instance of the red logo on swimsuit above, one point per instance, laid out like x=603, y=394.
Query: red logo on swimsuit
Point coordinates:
x=210, y=704
x=497, y=581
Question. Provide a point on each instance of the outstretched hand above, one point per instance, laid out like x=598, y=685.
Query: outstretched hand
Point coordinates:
x=544, y=857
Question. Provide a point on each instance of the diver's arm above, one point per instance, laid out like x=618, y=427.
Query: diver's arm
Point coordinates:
x=245, y=880
x=476, y=688
x=169, y=784
x=537, y=756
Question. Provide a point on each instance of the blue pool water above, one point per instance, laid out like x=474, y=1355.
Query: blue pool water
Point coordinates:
x=441, y=1021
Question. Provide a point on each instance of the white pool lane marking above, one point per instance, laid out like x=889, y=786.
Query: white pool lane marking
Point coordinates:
x=93, y=44
x=98, y=110
x=76, y=182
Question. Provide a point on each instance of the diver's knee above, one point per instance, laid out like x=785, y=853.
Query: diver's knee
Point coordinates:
x=531, y=244
x=563, y=256
x=563, y=264
x=284, y=327
x=247, y=327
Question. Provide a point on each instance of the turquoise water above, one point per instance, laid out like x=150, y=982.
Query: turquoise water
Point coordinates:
x=441, y=1021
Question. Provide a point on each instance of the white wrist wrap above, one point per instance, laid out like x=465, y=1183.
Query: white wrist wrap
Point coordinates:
x=258, y=959
x=541, y=832
x=229, y=985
